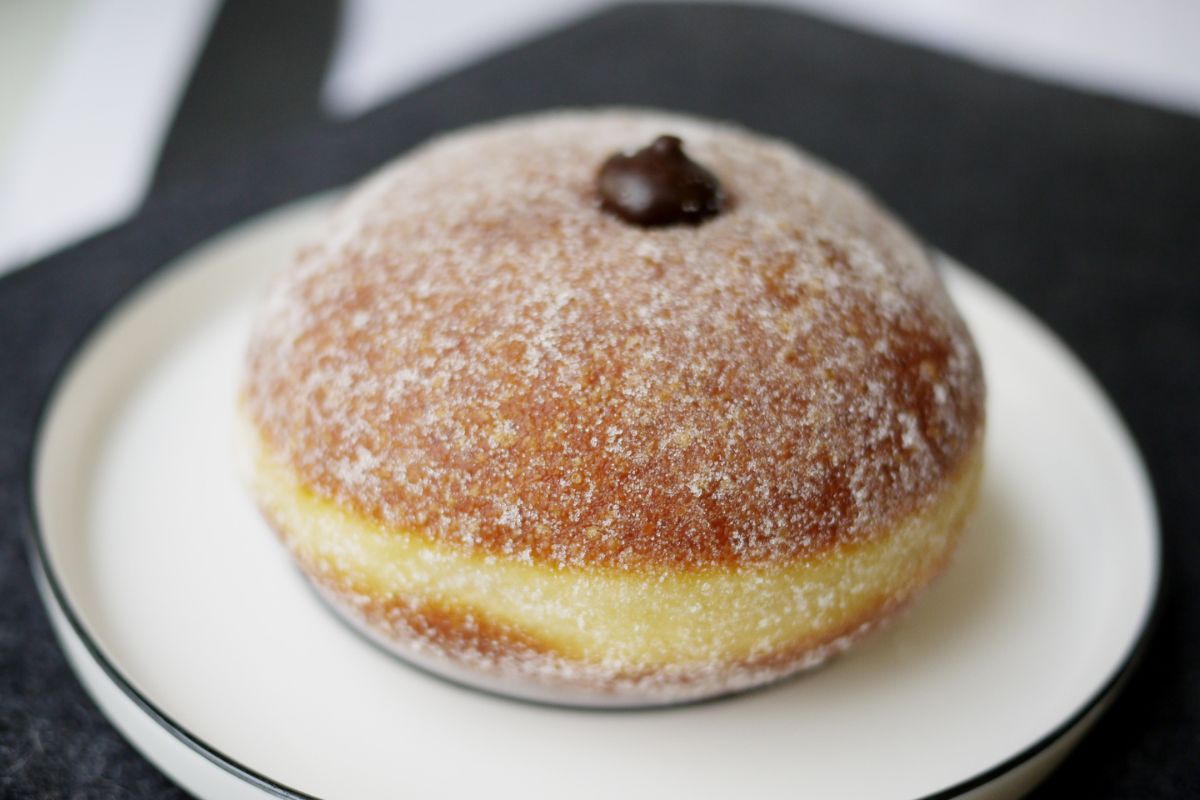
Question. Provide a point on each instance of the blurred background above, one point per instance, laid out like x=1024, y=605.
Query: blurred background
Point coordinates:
x=88, y=87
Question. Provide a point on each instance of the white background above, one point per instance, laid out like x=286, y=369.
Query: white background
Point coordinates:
x=87, y=87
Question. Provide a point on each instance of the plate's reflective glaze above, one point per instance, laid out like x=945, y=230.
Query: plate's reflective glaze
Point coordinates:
x=176, y=601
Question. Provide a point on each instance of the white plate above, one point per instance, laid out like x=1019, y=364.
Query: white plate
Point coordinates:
x=187, y=622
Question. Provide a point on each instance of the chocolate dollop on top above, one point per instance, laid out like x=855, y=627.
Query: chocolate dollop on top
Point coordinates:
x=659, y=185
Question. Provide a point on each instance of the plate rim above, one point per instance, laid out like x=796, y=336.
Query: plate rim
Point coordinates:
x=51, y=588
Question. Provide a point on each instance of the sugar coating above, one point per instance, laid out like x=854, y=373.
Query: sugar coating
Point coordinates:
x=596, y=635
x=471, y=349
x=546, y=677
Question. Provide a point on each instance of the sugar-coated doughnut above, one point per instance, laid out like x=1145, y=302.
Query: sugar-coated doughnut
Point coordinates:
x=533, y=441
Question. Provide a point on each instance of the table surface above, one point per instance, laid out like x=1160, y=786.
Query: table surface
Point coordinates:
x=60, y=73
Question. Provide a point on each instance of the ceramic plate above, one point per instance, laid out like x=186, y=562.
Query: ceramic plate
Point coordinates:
x=187, y=622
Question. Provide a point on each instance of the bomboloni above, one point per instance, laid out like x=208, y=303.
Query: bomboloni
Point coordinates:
x=613, y=407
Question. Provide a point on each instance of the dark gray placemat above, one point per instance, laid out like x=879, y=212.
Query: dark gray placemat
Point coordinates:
x=1083, y=207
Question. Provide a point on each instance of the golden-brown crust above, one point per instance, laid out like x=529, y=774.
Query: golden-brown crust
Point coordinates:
x=492, y=362
x=472, y=637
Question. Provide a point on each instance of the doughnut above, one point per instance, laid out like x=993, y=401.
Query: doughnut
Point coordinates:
x=612, y=407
